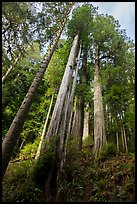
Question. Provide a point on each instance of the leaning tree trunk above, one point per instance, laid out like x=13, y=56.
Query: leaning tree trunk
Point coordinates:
x=66, y=116
x=44, y=130
x=99, y=123
x=78, y=120
x=17, y=124
x=56, y=120
x=10, y=68
x=63, y=131
x=70, y=107
x=56, y=116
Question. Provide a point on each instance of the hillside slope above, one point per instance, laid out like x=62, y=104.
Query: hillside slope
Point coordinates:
x=106, y=180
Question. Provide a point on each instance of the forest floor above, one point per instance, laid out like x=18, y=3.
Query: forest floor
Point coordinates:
x=106, y=180
x=110, y=179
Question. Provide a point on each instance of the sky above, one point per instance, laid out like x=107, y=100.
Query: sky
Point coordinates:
x=124, y=12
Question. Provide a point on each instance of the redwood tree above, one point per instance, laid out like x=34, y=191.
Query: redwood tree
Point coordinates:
x=56, y=116
x=17, y=124
x=99, y=123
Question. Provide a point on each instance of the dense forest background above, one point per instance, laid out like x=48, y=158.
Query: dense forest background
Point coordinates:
x=68, y=104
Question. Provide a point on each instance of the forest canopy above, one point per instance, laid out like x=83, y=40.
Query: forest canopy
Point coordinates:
x=64, y=97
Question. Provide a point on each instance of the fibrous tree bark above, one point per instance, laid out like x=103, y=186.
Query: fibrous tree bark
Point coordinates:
x=86, y=103
x=124, y=139
x=63, y=128
x=99, y=123
x=59, y=116
x=78, y=124
x=70, y=107
x=56, y=116
x=77, y=129
x=123, y=144
x=117, y=137
x=86, y=122
x=17, y=124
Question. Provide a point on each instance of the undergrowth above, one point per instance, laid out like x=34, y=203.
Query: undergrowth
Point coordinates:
x=111, y=178
x=17, y=183
x=25, y=177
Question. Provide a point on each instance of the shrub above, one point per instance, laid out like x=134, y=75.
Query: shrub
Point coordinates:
x=44, y=164
x=17, y=183
x=23, y=169
x=29, y=150
x=87, y=142
x=107, y=151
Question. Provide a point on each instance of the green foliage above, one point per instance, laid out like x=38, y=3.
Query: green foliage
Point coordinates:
x=29, y=150
x=57, y=65
x=72, y=152
x=23, y=170
x=130, y=115
x=88, y=141
x=23, y=22
x=104, y=27
x=44, y=164
x=117, y=78
x=109, y=178
x=83, y=180
x=107, y=151
x=107, y=181
x=81, y=21
x=18, y=185
x=16, y=86
x=16, y=27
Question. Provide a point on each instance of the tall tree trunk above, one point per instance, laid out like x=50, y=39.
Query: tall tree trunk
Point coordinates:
x=71, y=101
x=70, y=107
x=125, y=139
x=63, y=129
x=123, y=144
x=124, y=135
x=10, y=68
x=80, y=121
x=60, y=109
x=17, y=124
x=77, y=129
x=56, y=116
x=117, y=139
x=74, y=124
x=82, y=97
x=44, y=130
x=84, y=83
x=99, y=124
x=86, y=121
x=61, y=140
x=106, y=118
